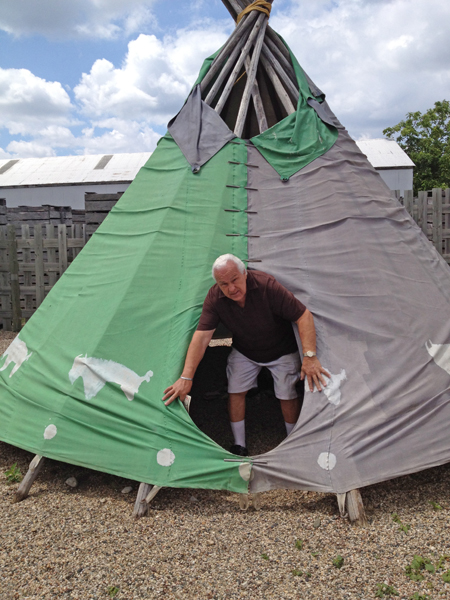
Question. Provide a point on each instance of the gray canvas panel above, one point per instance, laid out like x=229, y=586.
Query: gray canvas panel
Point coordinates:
x=324, y=112
x=199, y=131
x=380, y=293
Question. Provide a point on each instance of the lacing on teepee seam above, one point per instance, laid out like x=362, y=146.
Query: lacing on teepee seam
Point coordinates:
x=261, y=5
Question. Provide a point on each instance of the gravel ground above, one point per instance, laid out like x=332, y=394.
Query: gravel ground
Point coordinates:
x=83, y=543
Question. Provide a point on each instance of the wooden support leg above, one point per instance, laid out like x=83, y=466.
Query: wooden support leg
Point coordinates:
x=141, y=506
x=147, y=492
x=28, y=480
x=355, y=509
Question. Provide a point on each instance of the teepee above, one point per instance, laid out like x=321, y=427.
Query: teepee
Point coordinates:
x=255, y=164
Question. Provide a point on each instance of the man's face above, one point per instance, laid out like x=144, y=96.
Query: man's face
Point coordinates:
x=232, y=282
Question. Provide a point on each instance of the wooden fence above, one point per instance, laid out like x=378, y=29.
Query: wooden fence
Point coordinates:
x=40, y=242
x=431, y=211
x=97, y=206
x=31, y=262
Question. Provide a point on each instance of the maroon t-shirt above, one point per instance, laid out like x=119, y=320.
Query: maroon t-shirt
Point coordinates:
x=262, y=329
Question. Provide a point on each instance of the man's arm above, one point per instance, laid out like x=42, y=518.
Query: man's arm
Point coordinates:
x=311, y=367
x=195, y=353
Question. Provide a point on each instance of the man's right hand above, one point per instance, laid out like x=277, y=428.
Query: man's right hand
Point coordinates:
x=179, y=389
x=195, y=353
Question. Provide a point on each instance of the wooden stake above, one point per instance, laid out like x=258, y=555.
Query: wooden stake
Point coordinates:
x=251, y=77
x=141, y=506
x=355, y=509
x=155, y=489
x=283, y=95
x=33, y=471
x=245, y=50
x=146, y=491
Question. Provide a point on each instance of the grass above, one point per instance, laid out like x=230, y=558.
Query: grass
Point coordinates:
x=13, y=474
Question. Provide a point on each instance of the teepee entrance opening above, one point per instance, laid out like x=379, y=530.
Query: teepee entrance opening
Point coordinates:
x=265, y=428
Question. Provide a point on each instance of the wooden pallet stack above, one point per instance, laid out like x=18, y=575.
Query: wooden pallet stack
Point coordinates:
x=97, y=207
x=31, y=262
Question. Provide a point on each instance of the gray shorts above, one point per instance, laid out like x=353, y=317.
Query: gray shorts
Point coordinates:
x=243, y=373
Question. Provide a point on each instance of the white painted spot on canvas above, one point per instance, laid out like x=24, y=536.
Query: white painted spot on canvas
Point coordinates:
x=165, y=457
x=245, y=470
x=17, y=352
x=440, y=354
x=97, y=371
x=50, y=432
x=327, y=460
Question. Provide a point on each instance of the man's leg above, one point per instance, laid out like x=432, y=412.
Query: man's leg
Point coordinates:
x=242, y=374
x=286, y=373
x=236, y=406
x=291, y=413
x=236, y=410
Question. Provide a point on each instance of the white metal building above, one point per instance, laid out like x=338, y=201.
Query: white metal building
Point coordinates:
x=63, y=180
x=391, y=162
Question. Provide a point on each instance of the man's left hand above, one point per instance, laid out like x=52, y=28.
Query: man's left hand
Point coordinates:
x=314, y=372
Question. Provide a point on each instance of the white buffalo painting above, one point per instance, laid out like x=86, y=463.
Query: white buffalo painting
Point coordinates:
x=440, y=354
x=17, y=353
x=333, y=388
x=97, y=371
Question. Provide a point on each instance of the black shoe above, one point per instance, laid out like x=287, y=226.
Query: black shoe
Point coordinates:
x=239, y=450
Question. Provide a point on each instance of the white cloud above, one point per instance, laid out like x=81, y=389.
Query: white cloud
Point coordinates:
x=57, y=19
x=120, y=136
x=29, y=103
x=30, y=149
x=154, y=79
x=375, y=60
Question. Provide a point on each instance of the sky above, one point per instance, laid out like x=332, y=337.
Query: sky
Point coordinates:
x=105, y=76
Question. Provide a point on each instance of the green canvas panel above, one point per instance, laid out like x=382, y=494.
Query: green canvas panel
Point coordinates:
x=300, y=138
x=133, y=296
x=297, y=140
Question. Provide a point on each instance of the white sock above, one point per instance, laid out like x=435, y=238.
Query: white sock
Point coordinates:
x=289, y=427
x=238, y=429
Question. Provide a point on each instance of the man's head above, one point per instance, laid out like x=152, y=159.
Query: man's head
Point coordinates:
x=231, y=276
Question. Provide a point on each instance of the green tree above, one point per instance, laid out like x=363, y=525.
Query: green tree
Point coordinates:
x=426, y=140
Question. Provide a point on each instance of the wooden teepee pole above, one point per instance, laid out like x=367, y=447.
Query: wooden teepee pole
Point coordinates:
x=226, y=69
x=245, y=50
x=257, y=101
x=290, y=87
x=283, y=95
x=240, y=30
x=251, y=77
x=239, y=5
x=284, y=62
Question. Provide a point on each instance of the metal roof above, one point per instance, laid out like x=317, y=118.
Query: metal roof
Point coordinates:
x=64, y=170
x=385, y=154
x=114, y=168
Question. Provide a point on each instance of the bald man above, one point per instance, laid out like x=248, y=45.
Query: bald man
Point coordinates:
x=259, y=312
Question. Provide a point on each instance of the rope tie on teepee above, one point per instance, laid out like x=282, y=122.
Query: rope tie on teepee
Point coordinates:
x=260, y=5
